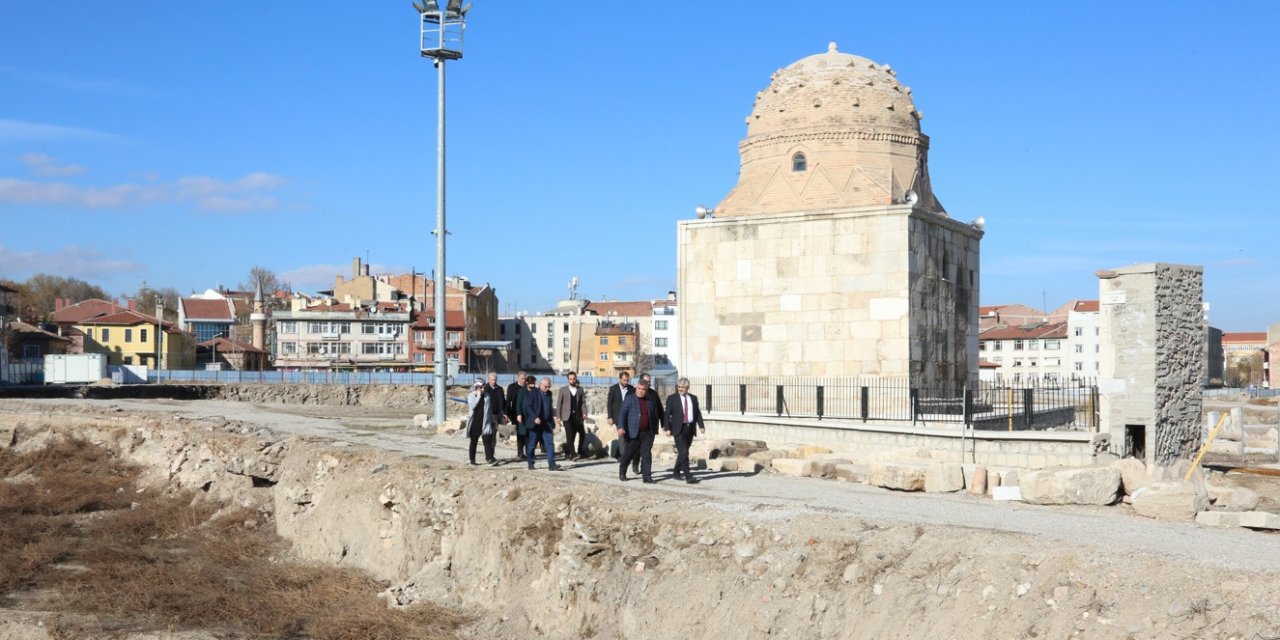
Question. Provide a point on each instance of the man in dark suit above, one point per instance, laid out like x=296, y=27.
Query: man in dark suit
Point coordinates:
x=638, y=422
x=539, y=416
x=571, y=405
x=683, y=419
x=513, y=410
x=618, y=393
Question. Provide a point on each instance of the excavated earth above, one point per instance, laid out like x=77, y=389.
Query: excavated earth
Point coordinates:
x=578, y=555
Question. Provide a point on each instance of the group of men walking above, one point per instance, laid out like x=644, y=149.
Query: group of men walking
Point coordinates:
x=635, y=412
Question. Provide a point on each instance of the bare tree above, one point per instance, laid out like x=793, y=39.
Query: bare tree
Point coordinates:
x=266, y=279
x=148, y=297
x=35, y=297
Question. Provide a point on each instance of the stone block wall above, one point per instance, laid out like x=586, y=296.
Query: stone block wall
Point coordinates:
x=878, y=291
x=1024, y=449
x=1152, y=359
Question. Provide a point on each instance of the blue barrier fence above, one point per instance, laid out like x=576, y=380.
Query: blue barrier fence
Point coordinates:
x=182, y=376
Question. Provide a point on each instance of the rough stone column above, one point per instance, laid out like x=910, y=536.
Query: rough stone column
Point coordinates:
x=1152, y=359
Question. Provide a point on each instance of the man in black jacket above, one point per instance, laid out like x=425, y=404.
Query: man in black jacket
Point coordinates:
x=618, y=393
x=638, y=422
x=683, y=419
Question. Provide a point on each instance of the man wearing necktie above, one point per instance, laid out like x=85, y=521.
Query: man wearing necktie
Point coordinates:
x=683, y=418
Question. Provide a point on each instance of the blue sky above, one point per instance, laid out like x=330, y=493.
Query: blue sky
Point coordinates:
x=180, y=144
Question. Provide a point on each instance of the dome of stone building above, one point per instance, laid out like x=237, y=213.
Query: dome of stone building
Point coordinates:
x=832, y=131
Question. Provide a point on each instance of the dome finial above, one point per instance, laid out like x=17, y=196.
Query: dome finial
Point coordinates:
x=831, y=47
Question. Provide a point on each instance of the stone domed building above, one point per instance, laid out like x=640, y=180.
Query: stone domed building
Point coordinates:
x=831, y=256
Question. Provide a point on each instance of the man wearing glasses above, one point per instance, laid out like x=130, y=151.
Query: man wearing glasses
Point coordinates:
x=683, y=418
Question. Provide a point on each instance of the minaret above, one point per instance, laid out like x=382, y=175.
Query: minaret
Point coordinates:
x=259, y=320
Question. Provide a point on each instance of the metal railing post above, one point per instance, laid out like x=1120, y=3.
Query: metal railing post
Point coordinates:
x=708, y=401
x=779, y=401
x=866, y=402
x=820, y=401
x=742, y=398
x=915, y=405
x=1028, y=407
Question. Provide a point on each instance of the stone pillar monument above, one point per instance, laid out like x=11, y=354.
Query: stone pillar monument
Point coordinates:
x=1152, y=360
x=831, y=256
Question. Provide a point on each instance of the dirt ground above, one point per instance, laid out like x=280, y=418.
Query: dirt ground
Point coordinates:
x=758, y=555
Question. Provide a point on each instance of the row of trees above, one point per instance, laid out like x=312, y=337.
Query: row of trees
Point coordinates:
x=34, y=301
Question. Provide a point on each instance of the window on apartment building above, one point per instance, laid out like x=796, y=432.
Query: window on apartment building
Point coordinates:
x=1032, y=345
x=565, y=359
x=1097, y=348
x=551, y=327
x=128, y=335
x=517, y=325
x=1018, y=345
x=1017, y=378
x=565, y=342
x=604, y=357
x=659, y=325
x=997, y=360
x=565, y=328
x=289, y=347
x=1052, y=345
x=1079, y=348
x=106, y=334
x=1097, y=331
x=550, y=342
x=1079, y=331
x=286, y=327
x=997, y=345
x=1017, y=363
x=622, y=339
x=502, y=329
x=659, y=342
x=1079, y=366
x=1032, y=362
x=604, y=340
x=142, y=336
x=419, y=358
x=1097, y=366
x=533, y=328
x=30, y=351
x=982, y=345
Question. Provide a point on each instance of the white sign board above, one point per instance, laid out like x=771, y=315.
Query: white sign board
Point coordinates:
x=1114, y=297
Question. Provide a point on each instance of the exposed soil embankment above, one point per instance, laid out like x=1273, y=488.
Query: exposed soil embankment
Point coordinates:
x=547, y=555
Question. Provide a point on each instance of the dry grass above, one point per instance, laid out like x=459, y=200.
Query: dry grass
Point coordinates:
x=79, y=538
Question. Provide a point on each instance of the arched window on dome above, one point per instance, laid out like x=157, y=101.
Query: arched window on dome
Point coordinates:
x=798, y=162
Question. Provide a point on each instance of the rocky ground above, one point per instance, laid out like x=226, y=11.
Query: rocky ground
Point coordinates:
x=578, y=554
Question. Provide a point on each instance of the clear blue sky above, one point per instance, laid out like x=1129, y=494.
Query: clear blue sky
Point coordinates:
x=179, y=144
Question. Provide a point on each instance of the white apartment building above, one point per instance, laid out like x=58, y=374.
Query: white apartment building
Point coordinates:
x=1084, y=339
x=1027, y=355
x=342, y=336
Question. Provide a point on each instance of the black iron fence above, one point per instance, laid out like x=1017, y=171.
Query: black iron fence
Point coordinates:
x=980, y=405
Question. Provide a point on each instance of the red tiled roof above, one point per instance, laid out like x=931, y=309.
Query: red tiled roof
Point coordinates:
x=636, y=309
x=341, y=306
x=452, y=319
x=987, y=364
x=1086, y=306
x=230, y=346
x=1048, y=330
x=84, y=310
x=1245, y=337
x=18, y=326
x=126, y=317
x=199, y=309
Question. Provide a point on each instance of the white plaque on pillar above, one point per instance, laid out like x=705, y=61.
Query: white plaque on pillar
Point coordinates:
x=1114, y=297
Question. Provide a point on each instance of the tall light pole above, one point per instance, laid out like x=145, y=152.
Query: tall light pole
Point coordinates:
x=441, y=40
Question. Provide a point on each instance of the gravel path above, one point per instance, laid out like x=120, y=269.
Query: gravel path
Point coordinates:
x=1112, y=530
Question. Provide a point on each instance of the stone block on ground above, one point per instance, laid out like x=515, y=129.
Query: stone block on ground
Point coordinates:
x=944, y=477
x=1087, y=485
x=852, y=472
x=790, y=466
x=1133, y=474
x=421, y=419
x=1219, y=518
x=662, y=447
x=806, y=450
x=742, y=464
x=1010, y=478
x=896, y=475
x=8, y=435
x=1169, y=501
x=1242, y=499
x=1260, y=520
x=824, y=466
x=1013, y=494
x=765, y=458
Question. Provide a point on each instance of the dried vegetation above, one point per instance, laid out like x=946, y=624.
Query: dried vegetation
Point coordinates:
x=79, y=537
